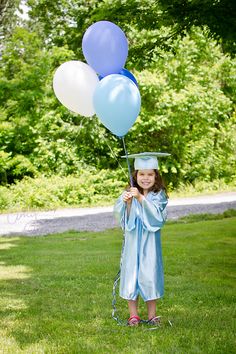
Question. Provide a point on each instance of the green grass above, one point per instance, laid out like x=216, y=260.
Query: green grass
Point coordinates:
x=229, y=213
x=56, y=293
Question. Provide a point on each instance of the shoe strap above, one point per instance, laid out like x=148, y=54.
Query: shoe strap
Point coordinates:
x=134, y=319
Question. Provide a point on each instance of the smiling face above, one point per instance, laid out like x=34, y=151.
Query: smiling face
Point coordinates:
x=146, y=179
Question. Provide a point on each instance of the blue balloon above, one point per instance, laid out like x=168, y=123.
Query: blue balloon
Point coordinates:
x=117, y=103
x=127, y=73
x=105, y=47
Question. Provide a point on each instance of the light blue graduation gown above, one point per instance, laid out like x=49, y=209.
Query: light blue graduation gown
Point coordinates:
x=141, y=259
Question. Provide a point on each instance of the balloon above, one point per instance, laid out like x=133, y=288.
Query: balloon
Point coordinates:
x=126, y=73
x=74, y=83
x=117, y=103
x=105, y=47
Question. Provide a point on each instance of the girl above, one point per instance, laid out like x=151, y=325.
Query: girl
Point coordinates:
x=141, y=211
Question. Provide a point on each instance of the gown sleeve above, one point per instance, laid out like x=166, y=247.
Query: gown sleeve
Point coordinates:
x=154, y=212
x=120, y=210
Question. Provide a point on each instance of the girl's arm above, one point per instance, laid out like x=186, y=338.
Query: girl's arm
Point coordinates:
x=154, y=212
x=124, y=213
x=127, y=198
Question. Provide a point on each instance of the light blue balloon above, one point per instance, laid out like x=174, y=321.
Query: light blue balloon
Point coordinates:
x=117, y=103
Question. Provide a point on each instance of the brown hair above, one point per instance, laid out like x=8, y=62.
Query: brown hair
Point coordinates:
x=157, y=187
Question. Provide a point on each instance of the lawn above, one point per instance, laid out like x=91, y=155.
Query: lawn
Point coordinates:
x=55, y=293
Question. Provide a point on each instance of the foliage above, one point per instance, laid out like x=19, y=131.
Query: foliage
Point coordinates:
x=16, y=168
x=148, y=23
x=88, y=188
x=33, y=123
x=8, y=17
x=63, y=23
x=218, y=15
x=187, y=87
x=189, y=111
x=56, y=293
x=203, y=187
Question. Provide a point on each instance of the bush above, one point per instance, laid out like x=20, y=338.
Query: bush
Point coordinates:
x=87, y=189
x=14, y=168
x=4, y=161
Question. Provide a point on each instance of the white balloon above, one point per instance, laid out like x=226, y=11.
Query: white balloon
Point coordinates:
x=74, y=83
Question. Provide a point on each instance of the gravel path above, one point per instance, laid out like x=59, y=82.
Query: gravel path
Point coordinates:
x=99, y=219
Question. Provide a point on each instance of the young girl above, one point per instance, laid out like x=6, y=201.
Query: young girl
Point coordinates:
x=141, y=211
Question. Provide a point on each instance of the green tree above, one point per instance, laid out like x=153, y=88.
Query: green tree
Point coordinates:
x=64, y=23
x=148, y=24
x=8, y=18
x=187, y=87
x=219, y=16
x=33, y=124
x=187, y=110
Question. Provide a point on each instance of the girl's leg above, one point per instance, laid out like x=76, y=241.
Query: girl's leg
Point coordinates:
x=133, y=307
x=151, y=307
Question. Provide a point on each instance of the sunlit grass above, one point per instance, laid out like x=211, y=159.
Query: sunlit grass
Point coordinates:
x=13, y=272
x=56, y=293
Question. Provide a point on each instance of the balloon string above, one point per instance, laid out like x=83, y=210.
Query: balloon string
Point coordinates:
x=127, y=160
x=115, y=157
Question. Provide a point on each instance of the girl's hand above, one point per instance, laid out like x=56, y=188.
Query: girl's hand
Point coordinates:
x=127, y=197
x=136, y=194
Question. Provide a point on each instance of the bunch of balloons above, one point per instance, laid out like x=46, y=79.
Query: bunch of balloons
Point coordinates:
x=103, y=86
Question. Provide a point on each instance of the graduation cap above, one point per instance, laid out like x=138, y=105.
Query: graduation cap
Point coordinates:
x=146, y=160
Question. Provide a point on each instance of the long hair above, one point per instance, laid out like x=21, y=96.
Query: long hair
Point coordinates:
x=157, y=187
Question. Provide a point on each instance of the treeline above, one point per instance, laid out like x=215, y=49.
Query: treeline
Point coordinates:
x=186, y=80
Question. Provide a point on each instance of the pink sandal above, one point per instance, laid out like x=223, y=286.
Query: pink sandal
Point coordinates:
x=134, y=321
x=156, y=321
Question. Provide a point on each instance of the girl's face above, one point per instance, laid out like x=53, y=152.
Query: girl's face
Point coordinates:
x=146, y=179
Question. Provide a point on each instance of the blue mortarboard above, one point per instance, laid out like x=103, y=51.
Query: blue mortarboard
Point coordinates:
x=146, y=160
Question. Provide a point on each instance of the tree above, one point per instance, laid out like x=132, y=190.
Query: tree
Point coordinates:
x=188, y=110
x=64, y=23
x=8, y=16
x=219, y=16
x=33, y=124
x=188, y=94
x=148, y=24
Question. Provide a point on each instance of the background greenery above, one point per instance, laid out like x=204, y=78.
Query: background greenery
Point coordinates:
x=183, y=56
x=56, y=293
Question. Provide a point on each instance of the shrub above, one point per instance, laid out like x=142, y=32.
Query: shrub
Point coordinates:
x=89, y=188
x=15, y=168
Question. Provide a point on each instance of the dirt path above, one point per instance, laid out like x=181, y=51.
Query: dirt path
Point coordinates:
x=99, y=219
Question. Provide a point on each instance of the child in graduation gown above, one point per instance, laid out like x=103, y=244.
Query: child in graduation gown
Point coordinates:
x=141, y=211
